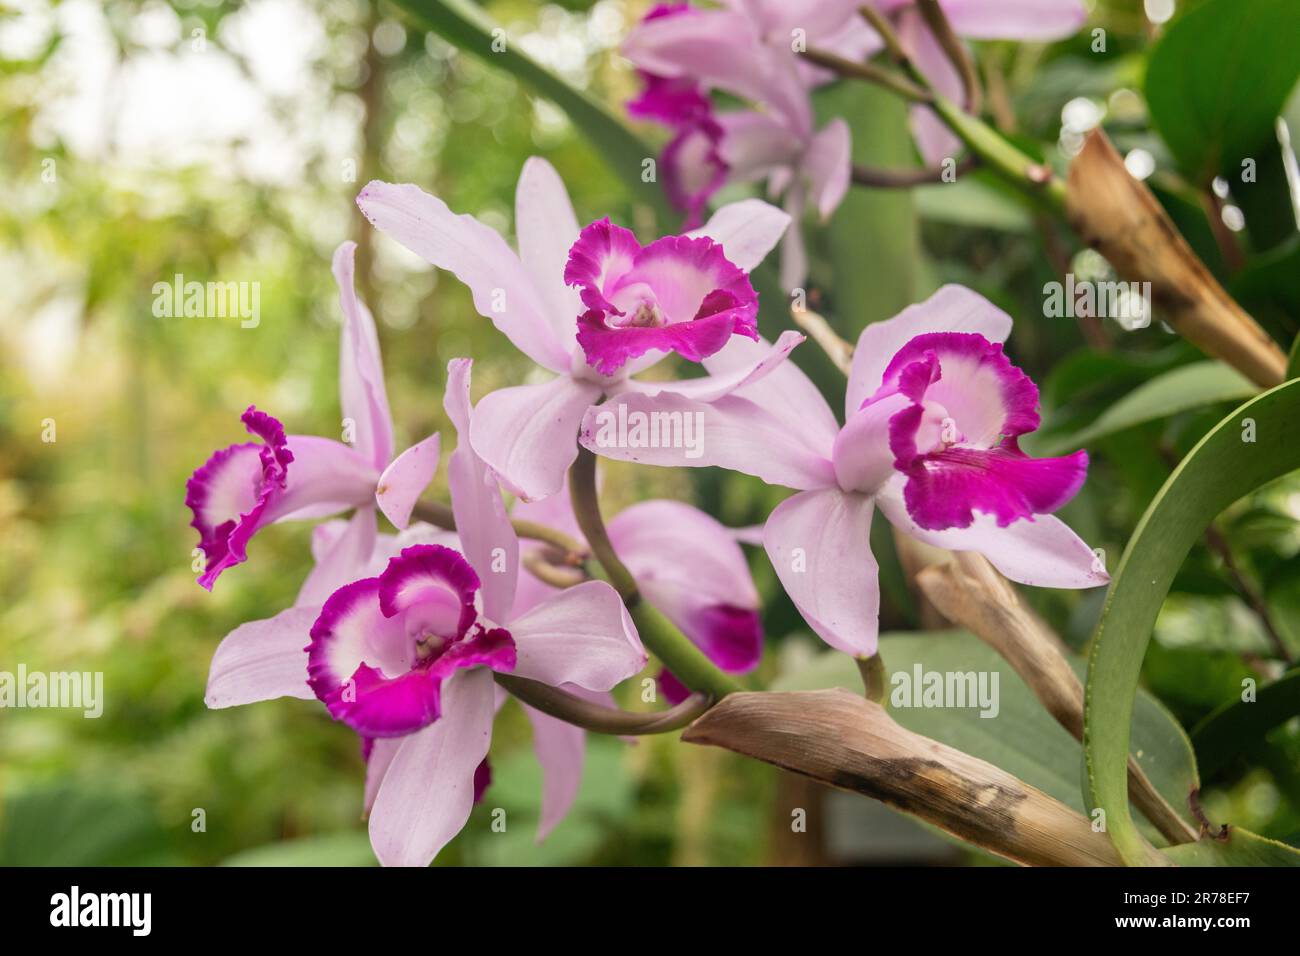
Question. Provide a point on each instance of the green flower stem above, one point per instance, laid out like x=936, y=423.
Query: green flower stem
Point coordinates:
x=658, y=634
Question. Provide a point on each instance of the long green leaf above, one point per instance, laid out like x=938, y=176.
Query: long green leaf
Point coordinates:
x=467, y=27
x=1220, y=736
x=1219, y=77
x=1179, y=390
x=1257, y=443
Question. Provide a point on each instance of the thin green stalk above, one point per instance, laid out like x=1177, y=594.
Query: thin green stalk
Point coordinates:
x=687, y=662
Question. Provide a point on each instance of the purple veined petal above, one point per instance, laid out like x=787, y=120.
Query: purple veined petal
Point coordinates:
x=819, y=542
x=527, y=434
x=546, y=229
x=934, y=140
x=1040, y=21
x=403, y=481
x=953, y=308
x=746, y=363
x=262, y=660
x=828, y=163
x=361, y=372
x=690, y=567
x=783, y=391
x=340, y=558
x=485, y=531
x=1041, y=553
x=693, y=168
x=379, y=753
x=580, y=636
x=732, y=432
x=428, y=792
x=723, y=49
x=746, y=230
x=561, y=749
x=437, y=581
x=501, y=287
x=973, y=381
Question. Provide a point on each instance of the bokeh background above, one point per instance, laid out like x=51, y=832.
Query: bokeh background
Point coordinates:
x=226, y=141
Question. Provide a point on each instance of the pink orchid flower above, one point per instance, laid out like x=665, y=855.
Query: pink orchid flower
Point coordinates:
x=934, y=413
x=405, y=658
x=747, y=50
x=686, y=563
x=679, y=293
x=243, y=488
x=1025, y=20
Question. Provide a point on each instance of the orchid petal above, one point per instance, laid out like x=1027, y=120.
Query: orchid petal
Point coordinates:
x=580, y=636
x=819, y=542
x=527, y=434
x=561, y=749
x=379, y=753
x=361, y=372
x=262, y=660
x=934, y=140
x=428, y=792
x=501, y=287
x=746, y=230
x=403, y=481
x=953, y=308
x=1038, y=21
x=828, y=164
x=486, y=534
x=344, y=557
x=546, y=228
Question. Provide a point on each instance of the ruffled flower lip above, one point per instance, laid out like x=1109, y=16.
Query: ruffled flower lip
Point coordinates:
x=229, y=494
x=678, y=294
x=382, y=647
x=950, y=478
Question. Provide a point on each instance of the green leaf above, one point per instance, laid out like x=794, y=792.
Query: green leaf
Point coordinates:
x=1180, y=390
x=464, y=25
x=82, y=824
x=1219, y=77
x=350, y=848
x=1023, y=739
x=1219, y=737
x=1241, y=848
x=1220, y=469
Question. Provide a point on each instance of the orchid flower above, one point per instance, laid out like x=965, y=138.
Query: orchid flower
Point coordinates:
x=1024, y=20
x=405, y=658
x=934, y=413
x=747, y=50
x=626, y=308
x=686, y=563
x=243, y=488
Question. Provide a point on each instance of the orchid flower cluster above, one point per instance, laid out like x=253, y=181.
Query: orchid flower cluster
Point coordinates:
x=400, y=634
x=750, y=50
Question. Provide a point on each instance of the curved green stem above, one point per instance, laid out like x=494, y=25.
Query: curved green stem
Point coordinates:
x=666, y=642
x=572, y=709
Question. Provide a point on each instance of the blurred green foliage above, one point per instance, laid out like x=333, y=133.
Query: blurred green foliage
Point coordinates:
x=95, y=548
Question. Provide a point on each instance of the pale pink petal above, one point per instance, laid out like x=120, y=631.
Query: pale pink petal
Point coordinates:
x=748, y=362
x=580, y=636
x=732, y=433
x=361, y=372
x=326, y=477
x=755, y=145
x=783, y=391
x=379, y=756
x=953, y=308
x=340, y=558
x=262, y=660
x=863, y=458
x=819, y=542
x=546, y=228
x=528, y=433
x=1032, y=20
x=560, y=748
x=402, y=482
x=828, y=163
x=486, y=534
x=428, y=792
x=502, y=289
x=747, y=231
x=933, y=138
x=794, y=253
x=1043, y=552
